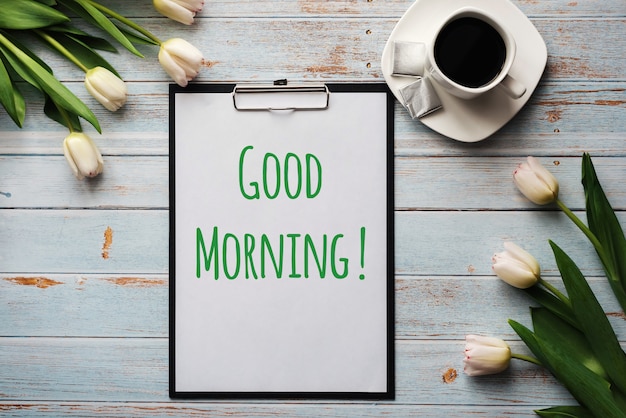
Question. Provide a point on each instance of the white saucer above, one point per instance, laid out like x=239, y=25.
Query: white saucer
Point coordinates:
x=476, y=119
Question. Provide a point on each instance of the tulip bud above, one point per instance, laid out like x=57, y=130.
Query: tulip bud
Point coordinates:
x=181, y=60
x=485, y=355
x=516, y=266
x=536, y=182
x=106, y=87
x=82, y=155
x=182, y=11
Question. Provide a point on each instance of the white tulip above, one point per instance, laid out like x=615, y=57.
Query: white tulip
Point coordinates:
x=516, y=266
x=181, y=60
x=536, y=182
x=485, y=355
x=106, y=87
x=182, y=11
x=82, y=155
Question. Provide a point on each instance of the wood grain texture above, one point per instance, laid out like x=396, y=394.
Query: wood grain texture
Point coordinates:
x=374, y=8
x=254, y=410
x=428, y=307
x=140, y=182
x=297, y=48
x=135, y=370
x=561, y=118
x=71, y=241
x=84, y=264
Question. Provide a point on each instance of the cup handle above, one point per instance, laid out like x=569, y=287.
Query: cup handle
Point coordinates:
x=512, y=87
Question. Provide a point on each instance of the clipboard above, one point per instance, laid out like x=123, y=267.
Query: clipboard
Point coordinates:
x=281, y=241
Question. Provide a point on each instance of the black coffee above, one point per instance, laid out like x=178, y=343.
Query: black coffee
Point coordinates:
x=470, y=52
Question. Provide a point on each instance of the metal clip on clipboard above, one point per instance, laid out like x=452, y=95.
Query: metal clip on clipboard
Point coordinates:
x=280, y=96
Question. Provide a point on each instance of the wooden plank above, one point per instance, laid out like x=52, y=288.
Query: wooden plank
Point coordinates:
x=436, y=243
x=561, y=118
x=126, y=182
x=97, y=306
x=78, y=241
x=352, y=8
x=136, y=370
x=486, y=183
x=422, y=183
x=291, y=409
x=435, y=308
x=299, y=49
x=133, y=242
x=85, y=305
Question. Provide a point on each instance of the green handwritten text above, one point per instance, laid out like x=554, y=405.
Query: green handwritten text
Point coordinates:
x=289, y=173
x=232, y=256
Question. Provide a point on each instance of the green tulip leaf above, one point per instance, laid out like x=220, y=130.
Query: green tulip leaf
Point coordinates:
x=606, y=227
x=136, y=38
x=83, y=53
x=50, y=3
x=48, y=83
x=28, y=14
x=52, y=111
x=530, y=340
x=93, y=42
x=549, y=326
x=18, y=68
x=594, y=322
x=553, y=304
x=88, y=55
x=20, y=105
x=91, y=14
x=27, y=51
x=620, y=398
x=565, y=412
x=7, y=97
x=589, y=389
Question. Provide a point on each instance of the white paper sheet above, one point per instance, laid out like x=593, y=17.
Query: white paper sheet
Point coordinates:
x=244, y=181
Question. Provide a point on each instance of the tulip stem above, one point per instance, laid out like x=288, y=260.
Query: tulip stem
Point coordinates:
x=555, y=291
x=57, y=45
x=126, y=21
x=66, y=117
x=584, y=228
x=526, y=358
x=606, y=261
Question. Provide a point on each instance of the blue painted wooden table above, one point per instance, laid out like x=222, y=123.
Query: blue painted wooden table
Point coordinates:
x=84, y=264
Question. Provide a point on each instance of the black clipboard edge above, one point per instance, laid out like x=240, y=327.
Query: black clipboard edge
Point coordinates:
x=389, y=394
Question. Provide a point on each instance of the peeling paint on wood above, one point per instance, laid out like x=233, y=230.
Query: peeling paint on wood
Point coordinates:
x=108, y=240
x=610, y=102
x=450, y=375
x=336, y=66
x=572, y=67
x=617, y=315
x=554, y=115
x=136, y=281
x=209, y=64
x=317, y=7
x=40, y=282
x=330, y=69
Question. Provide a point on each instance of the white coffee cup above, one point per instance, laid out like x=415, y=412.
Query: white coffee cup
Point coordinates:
x=496, y=71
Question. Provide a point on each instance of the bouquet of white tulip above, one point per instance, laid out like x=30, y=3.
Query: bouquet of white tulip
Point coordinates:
x=52, y=23
x=572, y=336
